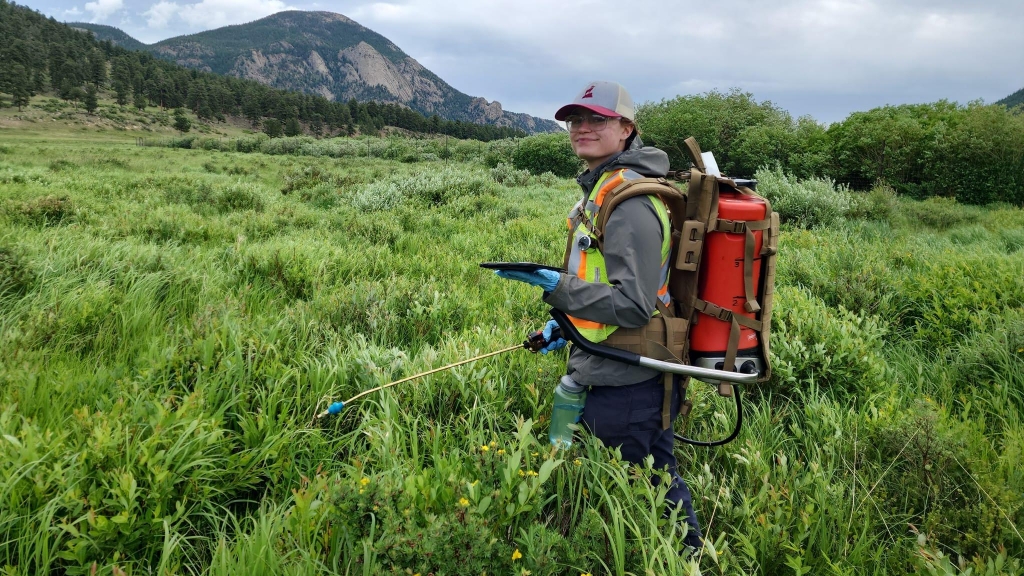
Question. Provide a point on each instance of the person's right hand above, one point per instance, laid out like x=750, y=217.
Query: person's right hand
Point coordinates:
x=557, y=344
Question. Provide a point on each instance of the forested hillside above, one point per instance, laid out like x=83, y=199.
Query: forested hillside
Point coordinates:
x=329, y=55
x=38, y=54
x=116, y=36
x=1015, y=99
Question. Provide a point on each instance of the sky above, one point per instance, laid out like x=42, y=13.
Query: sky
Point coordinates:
x=823, y=58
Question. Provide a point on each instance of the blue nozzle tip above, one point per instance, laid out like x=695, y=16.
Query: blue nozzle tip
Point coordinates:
x=335, y=408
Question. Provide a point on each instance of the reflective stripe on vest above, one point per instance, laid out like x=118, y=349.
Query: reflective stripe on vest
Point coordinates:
x=587, y=262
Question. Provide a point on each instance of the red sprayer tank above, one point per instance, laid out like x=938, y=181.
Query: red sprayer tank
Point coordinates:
x=720, y=281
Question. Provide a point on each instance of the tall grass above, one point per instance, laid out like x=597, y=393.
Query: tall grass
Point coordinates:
x=170, y=324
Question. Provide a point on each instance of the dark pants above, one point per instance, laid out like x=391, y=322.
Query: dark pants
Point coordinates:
x=630, y=417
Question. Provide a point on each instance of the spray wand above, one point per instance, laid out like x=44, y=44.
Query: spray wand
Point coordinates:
x=534, y=342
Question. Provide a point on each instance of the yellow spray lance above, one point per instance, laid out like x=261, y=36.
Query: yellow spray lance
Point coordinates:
x=533, y=343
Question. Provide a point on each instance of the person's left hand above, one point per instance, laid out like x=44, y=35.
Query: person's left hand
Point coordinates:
x=546, y=279
x=552, y=344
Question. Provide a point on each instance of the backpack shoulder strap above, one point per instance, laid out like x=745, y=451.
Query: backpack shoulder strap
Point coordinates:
x=673, y=197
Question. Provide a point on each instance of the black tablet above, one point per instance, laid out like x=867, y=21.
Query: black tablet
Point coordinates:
x=518, y=266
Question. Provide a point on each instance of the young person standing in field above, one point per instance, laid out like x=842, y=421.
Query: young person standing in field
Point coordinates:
x=618, y=286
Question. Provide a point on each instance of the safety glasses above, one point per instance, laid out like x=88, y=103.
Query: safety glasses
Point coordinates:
x=597, y=122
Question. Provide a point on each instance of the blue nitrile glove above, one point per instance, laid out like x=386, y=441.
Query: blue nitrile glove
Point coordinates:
x=546, y=279
x=560, y=343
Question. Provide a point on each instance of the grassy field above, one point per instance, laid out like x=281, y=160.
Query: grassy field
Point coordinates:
x=172, y=319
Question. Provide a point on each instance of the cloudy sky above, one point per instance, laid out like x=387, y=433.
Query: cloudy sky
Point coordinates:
x=825, y=58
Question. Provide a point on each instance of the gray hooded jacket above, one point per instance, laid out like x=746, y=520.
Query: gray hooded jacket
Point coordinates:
x=632, y=254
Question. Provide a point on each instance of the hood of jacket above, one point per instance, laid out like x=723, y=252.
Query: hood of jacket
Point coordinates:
x=646, y=160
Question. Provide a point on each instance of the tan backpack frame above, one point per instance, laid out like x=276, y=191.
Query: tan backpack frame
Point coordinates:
x=693, y=215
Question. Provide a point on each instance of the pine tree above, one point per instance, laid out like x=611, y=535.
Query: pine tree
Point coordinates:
x=139, y=100
x=181, y=122
x=122, y=80
x=97, y=68
x=91, y=101
x=292, y=127
x=272, y=127
x=20, y=87
x=251, y=106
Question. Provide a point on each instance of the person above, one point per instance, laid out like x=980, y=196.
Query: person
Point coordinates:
x=618, y=286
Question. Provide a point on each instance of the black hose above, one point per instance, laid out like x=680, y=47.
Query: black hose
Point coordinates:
x=735, y=431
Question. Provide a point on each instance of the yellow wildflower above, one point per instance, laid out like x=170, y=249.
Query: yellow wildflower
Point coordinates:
x=531, y=473
x=493, y=444
x=586, y=574
x=463, y=502
x=516, y=555
x=485, y=448
x=500, y=451
x=577, y=462
x=521, y=473
x=364, y=481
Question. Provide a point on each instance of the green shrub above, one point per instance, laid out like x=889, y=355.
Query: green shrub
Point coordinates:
x=239, y=196
x=549, y=180
x=250, y=143
x=499, y=152
x=435, y=187
x=880, y=203
x=927, y=451
x=806, y=203
x=61, y=165
x=837, y=348
x=182, y=142
x=506, y=175
x=47, y=210
x=547, y=153
x=940, y=213
x=377, y=196
x=304, y=177
x=742, y=132
x=320, y=196
x=16, y=276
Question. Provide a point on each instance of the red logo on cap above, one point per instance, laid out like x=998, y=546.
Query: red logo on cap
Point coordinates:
x=589, y=93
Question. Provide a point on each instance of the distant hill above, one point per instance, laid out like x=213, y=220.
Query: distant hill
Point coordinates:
x=1015, y=99
x=116, y=36
x=327, y=54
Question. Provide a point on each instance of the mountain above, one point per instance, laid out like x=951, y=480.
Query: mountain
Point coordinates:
x=1015, y=99
x=331, y=55
x=115, y=35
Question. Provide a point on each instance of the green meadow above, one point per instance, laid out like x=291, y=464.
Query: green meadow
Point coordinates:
x=173, y=317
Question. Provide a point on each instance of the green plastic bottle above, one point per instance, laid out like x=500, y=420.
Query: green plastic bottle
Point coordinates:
x=570, y=396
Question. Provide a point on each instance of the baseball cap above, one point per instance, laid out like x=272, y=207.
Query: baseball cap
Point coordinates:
x=604, y=98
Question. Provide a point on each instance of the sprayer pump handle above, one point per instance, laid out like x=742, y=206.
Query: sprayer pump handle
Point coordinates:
x=535, y=341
